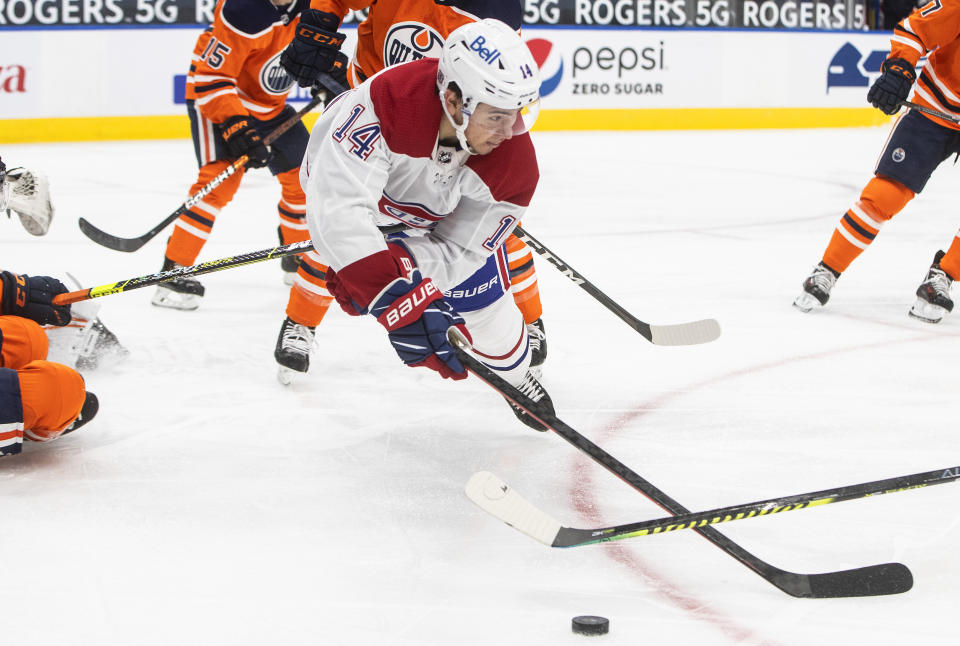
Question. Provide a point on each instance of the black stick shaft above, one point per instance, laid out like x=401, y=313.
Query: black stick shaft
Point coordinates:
x=932, y=112
x=888, y=578
x=586, y=285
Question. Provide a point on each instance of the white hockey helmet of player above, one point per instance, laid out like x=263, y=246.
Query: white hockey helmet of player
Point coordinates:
x=489, y=63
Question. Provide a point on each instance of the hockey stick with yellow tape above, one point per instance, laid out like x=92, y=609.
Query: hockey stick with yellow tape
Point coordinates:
x=497, y=498
x=193, y=270
x=873, y=580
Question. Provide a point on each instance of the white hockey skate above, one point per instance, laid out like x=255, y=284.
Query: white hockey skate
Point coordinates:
x=288, y=264
x=816, y=288
x=292, y=353
x=179, y=293
x=933, y=295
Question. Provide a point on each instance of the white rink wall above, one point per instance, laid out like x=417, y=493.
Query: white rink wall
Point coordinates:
x=49, y=76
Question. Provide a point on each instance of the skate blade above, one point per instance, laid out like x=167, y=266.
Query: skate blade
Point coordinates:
x=805, y=302
x=175, y=301
x=927, y=312
x=286, y=376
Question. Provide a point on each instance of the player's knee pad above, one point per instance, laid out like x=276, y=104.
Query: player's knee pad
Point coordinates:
x=22, y=341
x=882, y=198
x=500, y=339
x=52, y=395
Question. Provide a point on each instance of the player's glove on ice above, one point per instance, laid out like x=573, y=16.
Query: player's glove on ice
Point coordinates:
x=241, y=138
x=315, y=48
x=893, y=86
x=32, y=297
x=417, y=319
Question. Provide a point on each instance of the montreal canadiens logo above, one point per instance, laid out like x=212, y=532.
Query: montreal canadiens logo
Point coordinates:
x=548, y=59
x=410, y=41
x=273, y=78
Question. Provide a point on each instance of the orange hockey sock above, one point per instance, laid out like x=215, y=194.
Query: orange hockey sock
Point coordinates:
x=21, y=341
x=52, y=396
x=950, y=262
x=309, y=298
x=193, y=228
x=523, y=279
x=881, y=199
x=292, y=208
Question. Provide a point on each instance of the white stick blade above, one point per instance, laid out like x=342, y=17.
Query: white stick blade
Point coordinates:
x=692, y=333
x=498, y=499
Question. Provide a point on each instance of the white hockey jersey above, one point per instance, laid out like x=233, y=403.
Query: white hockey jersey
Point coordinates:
x=374, y=159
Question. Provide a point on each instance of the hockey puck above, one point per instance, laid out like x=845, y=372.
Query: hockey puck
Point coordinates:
x=591, y=625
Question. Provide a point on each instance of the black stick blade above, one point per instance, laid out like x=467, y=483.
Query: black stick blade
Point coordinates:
x=104, y=239
x=870, y=581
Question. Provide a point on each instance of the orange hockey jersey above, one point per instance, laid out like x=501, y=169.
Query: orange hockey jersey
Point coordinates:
x=398, y=31
x=236, y=63
x=934, y=27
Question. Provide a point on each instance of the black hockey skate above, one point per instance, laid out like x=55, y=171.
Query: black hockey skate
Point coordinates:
x=293, y=350
x=816, y=288
x=87, y=412
x=538, y=343
x=181, y=293
x=933, y=295
x=532, y=389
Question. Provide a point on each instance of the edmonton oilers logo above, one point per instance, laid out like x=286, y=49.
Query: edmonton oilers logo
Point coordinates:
x=410, y=41
x=273, y=78
x=899, y=155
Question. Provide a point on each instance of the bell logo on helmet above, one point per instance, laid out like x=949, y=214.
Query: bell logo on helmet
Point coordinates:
x=486, y=54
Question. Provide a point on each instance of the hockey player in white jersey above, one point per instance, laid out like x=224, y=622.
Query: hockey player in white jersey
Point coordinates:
x=441, y=147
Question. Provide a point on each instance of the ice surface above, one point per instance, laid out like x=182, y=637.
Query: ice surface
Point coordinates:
x=209, y=505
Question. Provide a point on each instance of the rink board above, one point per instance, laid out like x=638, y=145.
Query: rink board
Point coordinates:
x=115, y=83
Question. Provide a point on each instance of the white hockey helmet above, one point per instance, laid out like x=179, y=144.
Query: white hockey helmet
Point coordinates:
x=490, y=63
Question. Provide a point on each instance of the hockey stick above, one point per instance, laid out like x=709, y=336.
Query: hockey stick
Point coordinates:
x=194, y=270
x=934, y=113
x=495, y=497
x=874, y=580
x=691, y=333
x=330, y=88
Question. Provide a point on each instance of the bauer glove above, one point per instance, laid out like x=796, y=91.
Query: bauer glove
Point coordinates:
x=241, y=138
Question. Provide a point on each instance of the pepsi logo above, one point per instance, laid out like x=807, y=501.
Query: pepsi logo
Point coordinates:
x=548, y=59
